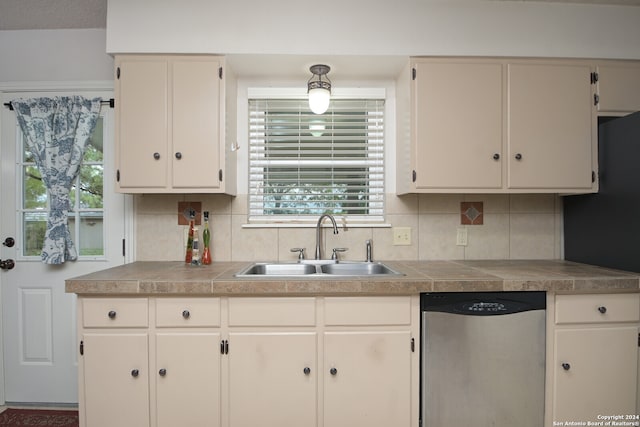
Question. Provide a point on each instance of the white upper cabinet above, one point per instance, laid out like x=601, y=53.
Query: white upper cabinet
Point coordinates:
x=496, y=126
x=175, y=124
x=618, y=87
x=458, y=121
x=551, y=123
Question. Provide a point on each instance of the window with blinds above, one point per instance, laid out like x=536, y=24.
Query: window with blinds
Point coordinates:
x=302, y=165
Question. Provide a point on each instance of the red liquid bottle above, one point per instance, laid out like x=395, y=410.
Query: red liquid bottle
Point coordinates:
x=189, y=255
x=206, y=240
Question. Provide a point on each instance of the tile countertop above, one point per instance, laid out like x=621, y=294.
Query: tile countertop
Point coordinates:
x=176, y=278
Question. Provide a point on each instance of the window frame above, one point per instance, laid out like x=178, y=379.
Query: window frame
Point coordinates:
x=75, y=211
x=376, y=219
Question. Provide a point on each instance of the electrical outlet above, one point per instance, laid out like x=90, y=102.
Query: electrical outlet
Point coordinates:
x=461, y=237
x=401, y=236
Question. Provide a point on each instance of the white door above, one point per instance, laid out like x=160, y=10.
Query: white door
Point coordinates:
x=38, y=318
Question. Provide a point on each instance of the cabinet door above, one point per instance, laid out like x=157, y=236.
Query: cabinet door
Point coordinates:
x=550, y=122
x=458, y=121
x=600, y=374
x=619, y=87
x=367, y=379
x=188, y=379
x=273, y=379
x=116, y=380
x=197, y=126
x=142, y=119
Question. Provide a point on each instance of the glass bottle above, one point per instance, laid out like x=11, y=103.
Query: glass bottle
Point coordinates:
x=189, y=255
x=206, y=240
x=195, y=258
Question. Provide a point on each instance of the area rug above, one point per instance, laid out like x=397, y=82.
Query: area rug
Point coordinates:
x=36, y=417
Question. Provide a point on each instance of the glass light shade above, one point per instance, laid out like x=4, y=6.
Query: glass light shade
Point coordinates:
x=316, y=127
x=319, y=100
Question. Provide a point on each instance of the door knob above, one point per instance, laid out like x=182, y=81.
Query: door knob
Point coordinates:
x=7, y=264
x=9, y=242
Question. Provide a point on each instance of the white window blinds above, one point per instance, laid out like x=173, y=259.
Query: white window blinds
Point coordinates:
x=302, y=165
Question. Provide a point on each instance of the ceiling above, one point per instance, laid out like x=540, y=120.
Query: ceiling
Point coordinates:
x=61, y=14
x=52, y=14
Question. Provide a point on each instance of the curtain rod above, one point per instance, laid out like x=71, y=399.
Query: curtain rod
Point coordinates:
x=111, y=103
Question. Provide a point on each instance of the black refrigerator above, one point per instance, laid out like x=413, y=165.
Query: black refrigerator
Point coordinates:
x=604, y=228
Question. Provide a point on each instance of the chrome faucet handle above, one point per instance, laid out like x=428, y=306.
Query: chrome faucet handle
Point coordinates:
x=300, y=253
x=334, y=256
x=369, y=244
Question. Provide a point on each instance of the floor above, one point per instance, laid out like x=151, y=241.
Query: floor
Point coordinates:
x=40, y=406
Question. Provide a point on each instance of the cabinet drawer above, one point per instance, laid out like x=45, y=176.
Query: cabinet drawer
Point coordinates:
x=597, y=308
x=367, y=311
x=115, y=312
x=187, y=312
x=272, y=311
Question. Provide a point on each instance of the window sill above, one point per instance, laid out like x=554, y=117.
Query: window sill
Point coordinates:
x=313, y=225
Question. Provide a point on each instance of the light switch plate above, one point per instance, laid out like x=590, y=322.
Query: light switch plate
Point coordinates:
x=461, y=237
x=401, y=236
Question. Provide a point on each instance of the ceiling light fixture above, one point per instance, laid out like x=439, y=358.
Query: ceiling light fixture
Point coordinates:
x=319, y=88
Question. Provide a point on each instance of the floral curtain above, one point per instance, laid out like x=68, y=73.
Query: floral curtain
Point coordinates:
x=57, y=130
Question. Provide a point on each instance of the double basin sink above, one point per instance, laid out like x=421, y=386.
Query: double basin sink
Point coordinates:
x=317, y=269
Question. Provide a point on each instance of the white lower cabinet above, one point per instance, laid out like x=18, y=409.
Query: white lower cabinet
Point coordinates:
x=594, y=367
x=237, y=362
x=367, y=378
x=115, y=387
x=187, y=373
x=186, y=361
x=272, y=379
x=149, y=362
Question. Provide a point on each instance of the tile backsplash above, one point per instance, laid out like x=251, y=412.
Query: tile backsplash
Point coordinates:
x=515, y=226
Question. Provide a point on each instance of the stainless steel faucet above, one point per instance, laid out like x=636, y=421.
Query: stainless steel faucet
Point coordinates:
x=369, y=250
x=318, y=236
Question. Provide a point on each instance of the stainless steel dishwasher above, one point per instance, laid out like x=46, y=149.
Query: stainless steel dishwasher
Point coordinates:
x=483, y=359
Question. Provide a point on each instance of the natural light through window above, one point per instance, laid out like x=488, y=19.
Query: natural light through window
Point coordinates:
x=86, y=217
x=302, y=165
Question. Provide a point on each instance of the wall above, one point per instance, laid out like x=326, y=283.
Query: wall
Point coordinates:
x=362, y=27
x=53, y=56
x=515, y=227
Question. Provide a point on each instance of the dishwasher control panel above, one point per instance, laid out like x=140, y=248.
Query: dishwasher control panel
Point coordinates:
x=493, y=307
x=483, y=303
